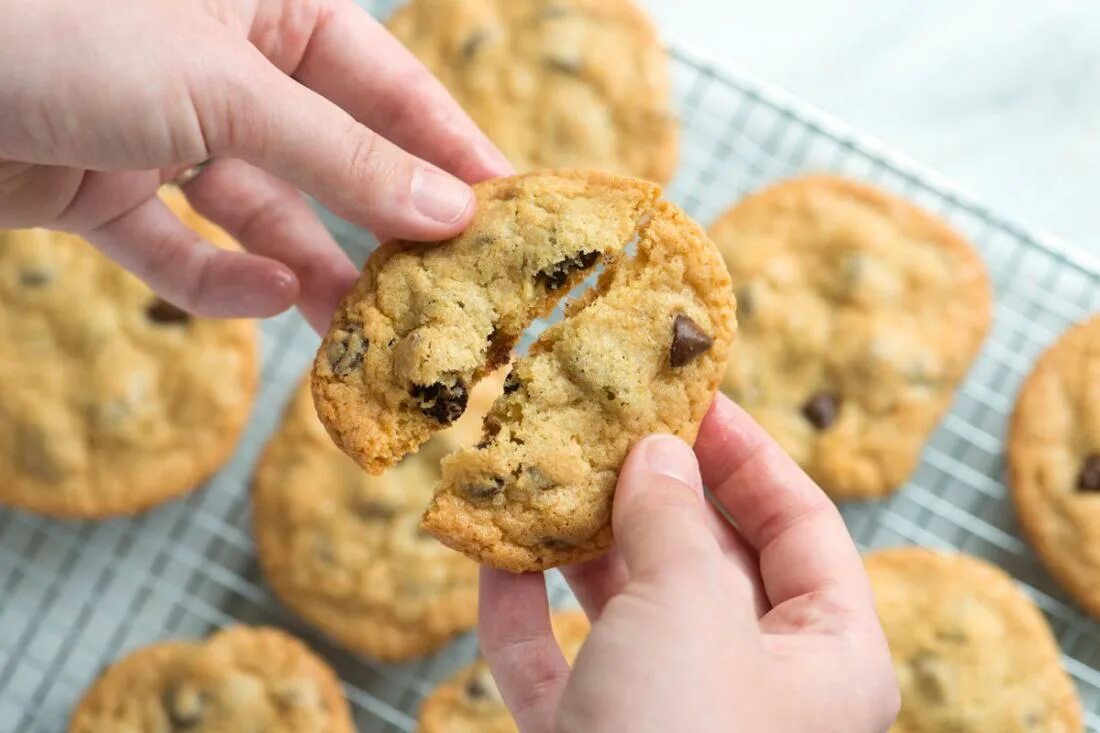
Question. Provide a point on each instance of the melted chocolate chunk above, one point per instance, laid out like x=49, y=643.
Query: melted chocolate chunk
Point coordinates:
x=822, y=409
x=688, y=341
x=161, y=311
x=1089, y=480
x=444, y=402
x=555, y=276
x=346, y=351
x=486, y=490
x=500, y=349
x=511, y=383
x=553, y=543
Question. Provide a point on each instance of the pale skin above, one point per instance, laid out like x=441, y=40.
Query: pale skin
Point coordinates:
x=696, y=625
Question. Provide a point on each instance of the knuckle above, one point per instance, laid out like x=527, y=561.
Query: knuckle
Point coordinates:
x=366, y=159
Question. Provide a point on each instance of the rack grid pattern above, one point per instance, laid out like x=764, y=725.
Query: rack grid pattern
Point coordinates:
x=75, y=596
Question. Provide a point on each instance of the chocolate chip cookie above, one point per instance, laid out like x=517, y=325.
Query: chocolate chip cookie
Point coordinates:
x=469, y=701
x=1054, y=461
x=554, y=83
x=123, y=400
x=344, y=548
x=859, y=314
x=241, y=680
x=972, y=653
x=640, y=352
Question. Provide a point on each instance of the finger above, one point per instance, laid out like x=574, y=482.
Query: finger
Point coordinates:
x=740, y=556
x=596, y=582
x=149, y=241
x=271, y=218
x=391, y=92
x=660, y=517
x=518, y=642
x=275, y=123
x=803, y=545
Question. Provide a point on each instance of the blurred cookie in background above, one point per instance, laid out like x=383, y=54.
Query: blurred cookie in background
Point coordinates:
x=469, y=701
x=972, y=653
x=343, y=547
x=554, y=83
x=242, y=679
x=1054, y=461
x=858, y=316
x=123, y=400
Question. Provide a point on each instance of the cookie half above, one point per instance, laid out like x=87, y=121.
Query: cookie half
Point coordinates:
x=1054, y=461
x=858, y=314
x=240, y=680
x=972, y=653
x=554, y=83
x=641, y=352
x=469, y=702
x=123, y=400
x=344, y=548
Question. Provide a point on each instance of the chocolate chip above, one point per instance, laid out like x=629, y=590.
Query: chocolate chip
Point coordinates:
x=161, y=311
x=553, y=543
x=185, y=706
x=346, y=350
x=821, y=409
x=560, y=65
x=688, y=341
x=555, y=276
x=1089, y=480
x=474, y=42
x=489, y=430
x=511, y=383
x=374, y=511
x=746, y=302
x=444, y=402
x=500, y=349
x=485, y=490
x=35, y=277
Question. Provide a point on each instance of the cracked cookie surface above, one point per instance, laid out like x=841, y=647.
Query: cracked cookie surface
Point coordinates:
x=124, y=401
x=858, y=316
x=469, y=702
x=554, y=83
x=241, y=680
x=426, y=321
x=640, y=352
x=972, y=653
x=344, y=549
x=1054, y=461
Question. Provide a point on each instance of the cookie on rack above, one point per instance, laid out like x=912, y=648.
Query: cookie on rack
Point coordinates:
x=469, y=702
x=240, y=680
x=554, y=83
x=1054, y=461
x=972, y=653
x=124, y=401
x=859, y=314
x=642, y=351
x=344, y=549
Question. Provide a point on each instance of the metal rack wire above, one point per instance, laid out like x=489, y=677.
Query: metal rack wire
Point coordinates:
x=75, y=596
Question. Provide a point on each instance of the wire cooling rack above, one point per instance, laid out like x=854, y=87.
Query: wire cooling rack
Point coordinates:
x=75, y=596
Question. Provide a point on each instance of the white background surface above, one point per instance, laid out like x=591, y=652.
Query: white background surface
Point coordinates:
x=1001, y=96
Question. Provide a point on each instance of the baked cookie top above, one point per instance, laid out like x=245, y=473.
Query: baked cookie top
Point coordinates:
x=554, y=83
x=1054, y=461
x=344, y=548
x=240, y=680
x=972, y=653
x=469, y=702
x=124, y=401
x=859, y=315
x=641, y=352
x=426, y=321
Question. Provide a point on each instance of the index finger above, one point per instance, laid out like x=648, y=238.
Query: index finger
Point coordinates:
x=352, y=59
x=803, y=545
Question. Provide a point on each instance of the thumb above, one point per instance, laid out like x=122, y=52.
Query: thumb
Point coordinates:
x=277, y=124
x=660, y=514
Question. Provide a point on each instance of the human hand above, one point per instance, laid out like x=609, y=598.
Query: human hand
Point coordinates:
x=699, y=626
x=102, y=102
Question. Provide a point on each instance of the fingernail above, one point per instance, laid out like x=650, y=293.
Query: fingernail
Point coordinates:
x=667, y=455
x=440, y=196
